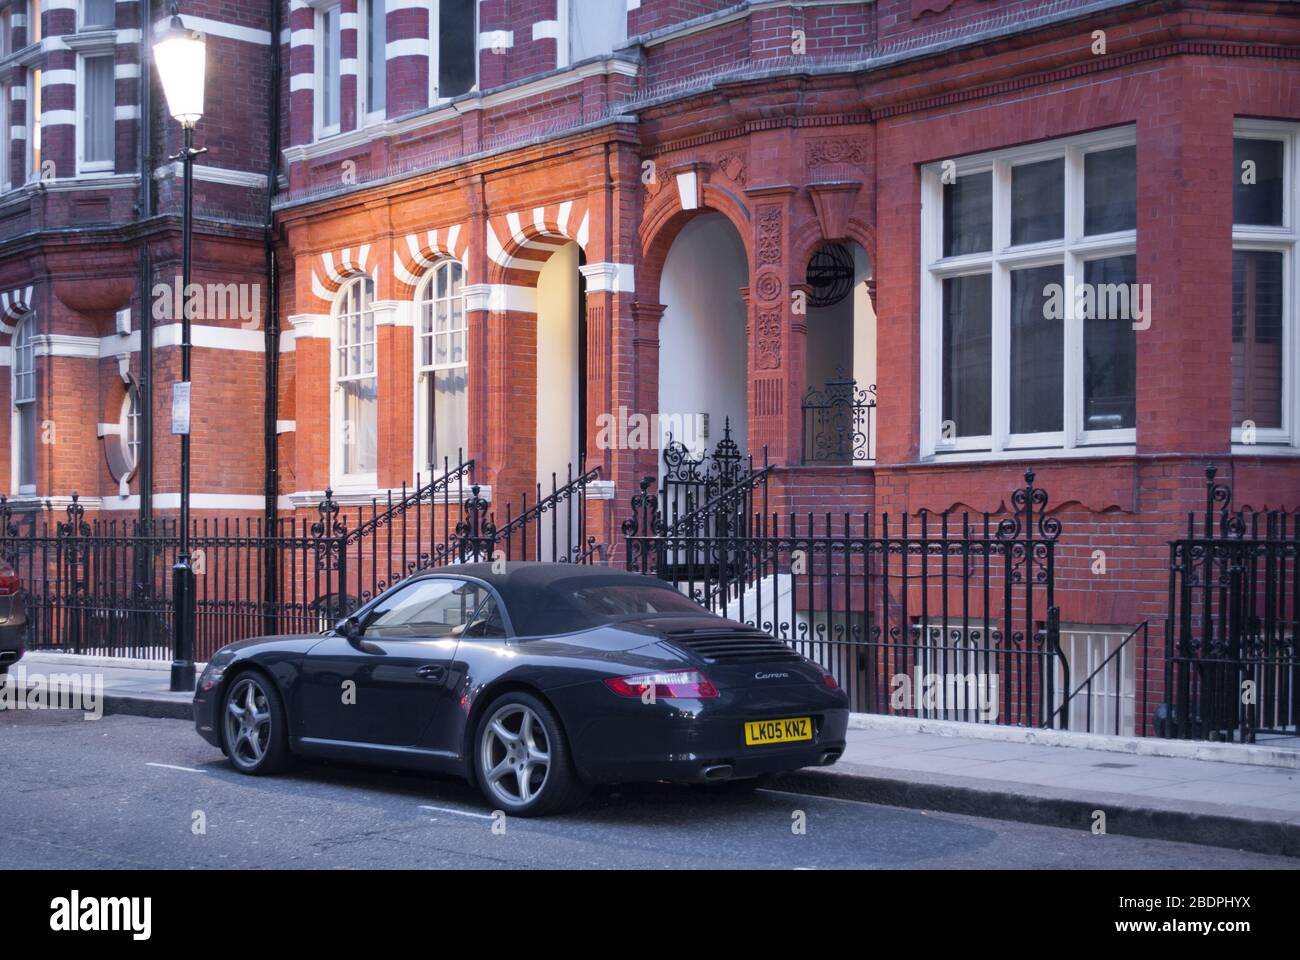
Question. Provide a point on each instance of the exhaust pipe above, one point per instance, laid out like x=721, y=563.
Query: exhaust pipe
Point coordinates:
x=721, y=771
x=829, y=757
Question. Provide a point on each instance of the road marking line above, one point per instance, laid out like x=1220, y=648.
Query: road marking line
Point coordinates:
x=814, y=796
x=460, y=813
x=169, y=766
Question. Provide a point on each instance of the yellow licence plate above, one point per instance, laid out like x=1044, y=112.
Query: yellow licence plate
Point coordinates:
x=761, y=732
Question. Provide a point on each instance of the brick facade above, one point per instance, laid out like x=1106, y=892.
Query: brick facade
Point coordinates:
x=798, y=123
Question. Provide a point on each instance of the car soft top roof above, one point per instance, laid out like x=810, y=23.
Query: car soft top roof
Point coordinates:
x=538, y=595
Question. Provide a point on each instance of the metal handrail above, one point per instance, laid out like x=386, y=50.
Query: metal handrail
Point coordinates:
x=461, y=473
x=1141, y=628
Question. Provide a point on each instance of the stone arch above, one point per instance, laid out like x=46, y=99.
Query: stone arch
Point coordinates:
x=663, y=221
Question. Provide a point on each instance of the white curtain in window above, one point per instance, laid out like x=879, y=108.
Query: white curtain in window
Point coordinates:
x=376, y=56
x=97, y=109
x=97, y=13
x=355, y=374
x=24, y=399
x=443, y=368
x=595, y=28
x=329, y=67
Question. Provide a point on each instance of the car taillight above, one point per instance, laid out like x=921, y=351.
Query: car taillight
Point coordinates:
x=830, y=681
x=9, y=582
x=683, y=685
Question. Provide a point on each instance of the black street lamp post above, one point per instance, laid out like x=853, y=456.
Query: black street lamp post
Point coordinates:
x=180, y=56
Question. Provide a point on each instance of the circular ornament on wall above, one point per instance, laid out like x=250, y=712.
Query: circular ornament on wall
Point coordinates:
x=830, y=275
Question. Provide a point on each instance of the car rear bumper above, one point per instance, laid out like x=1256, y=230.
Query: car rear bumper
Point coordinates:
x=701, y=741
x=13, y=631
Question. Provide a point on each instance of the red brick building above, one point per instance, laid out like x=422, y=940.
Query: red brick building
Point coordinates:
x=498, y=225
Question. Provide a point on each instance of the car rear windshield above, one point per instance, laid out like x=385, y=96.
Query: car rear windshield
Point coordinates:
x=568, y=609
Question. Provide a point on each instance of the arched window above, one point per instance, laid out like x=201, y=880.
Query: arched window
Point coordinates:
x=441, y=367
x=356, y=412
x=24, y=402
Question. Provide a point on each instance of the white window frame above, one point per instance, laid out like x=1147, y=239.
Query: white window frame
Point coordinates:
x=1074, y=250
x=84, y=166
x=128, y=421
x=368, y=480
x=20, y=396
x=318, y=70
x=424, y=295
x=6, y=140
x=564, y=44
x=365, y=116
x=1285, y=240
x=32, y=152
x=435, y=18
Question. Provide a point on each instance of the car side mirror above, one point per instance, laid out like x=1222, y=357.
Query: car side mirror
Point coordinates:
x=349, y=628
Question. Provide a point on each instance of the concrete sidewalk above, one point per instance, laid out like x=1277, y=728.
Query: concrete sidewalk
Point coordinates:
x=1227, y=795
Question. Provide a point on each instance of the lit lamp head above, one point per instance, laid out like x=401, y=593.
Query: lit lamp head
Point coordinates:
x=181, y=58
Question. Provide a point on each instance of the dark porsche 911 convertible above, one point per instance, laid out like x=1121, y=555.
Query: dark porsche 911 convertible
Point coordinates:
x=533, y=684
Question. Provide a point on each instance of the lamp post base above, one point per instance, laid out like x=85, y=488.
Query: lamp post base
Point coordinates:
x=182, y=676
x=183, y=624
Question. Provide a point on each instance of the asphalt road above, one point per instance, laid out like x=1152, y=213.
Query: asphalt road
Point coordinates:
x=125, y=791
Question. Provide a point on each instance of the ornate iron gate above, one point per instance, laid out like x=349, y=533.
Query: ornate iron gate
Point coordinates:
x=1231, y=667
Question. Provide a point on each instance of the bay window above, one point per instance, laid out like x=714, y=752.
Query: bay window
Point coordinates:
x=1264, y=265
x=356, y=385
x=442, y=368
x=1030, y=298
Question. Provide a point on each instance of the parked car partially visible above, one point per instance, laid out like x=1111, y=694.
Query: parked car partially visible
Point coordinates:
x=13, y=617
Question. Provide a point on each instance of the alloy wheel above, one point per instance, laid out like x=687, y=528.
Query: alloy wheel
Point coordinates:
x=248, y=722
x=516, y=754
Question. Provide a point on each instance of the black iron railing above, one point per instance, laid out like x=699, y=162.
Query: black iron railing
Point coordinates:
x=839, y=423
x=891, y=606
x=101, y=586
x=1232, y=670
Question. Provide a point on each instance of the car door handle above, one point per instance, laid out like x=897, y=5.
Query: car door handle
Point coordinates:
x=432, y=671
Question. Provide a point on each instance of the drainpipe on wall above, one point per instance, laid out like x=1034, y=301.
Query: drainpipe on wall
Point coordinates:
x=271, y=386
x=144, y=163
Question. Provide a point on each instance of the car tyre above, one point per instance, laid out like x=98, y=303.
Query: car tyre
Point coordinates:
x=254, y=726
x=522, y=763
